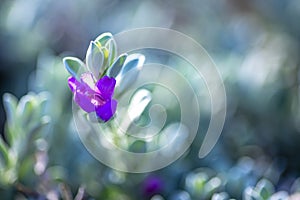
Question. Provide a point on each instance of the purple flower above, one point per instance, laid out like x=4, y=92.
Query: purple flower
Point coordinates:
x=152, y=185
x=91, y=96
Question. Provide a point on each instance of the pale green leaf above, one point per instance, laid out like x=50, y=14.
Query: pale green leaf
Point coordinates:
x=112, y=48
x=10, y=104
x=130, y=71
x=74, y=66
x=133, y=61
x=94, y=59
x=116, y=67
x=102, y=39
x=4, y=157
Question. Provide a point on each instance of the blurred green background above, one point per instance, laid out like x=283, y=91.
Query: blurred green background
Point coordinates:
x=255, y=45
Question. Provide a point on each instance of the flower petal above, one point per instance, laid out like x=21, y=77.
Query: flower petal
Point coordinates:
x=84, y=101
x=106, y=86
x=73, y=83
x=107, y=110
x=82, y=94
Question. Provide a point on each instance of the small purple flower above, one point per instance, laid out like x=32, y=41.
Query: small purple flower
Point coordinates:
x=91, y=96
x=152, y=185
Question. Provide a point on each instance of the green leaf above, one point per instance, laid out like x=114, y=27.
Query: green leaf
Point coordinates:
x=251, y=194
x=138, y=146
x=130, y=71
x=112, y=49
x=44, y=121
x=220, y=196
x=105, y=64
x=74, y=66
x=133, y=61
x=138, y=103
x=26, y=108
x=4, y=157
x=281, y=195
x=43, y=98
x=200, y=181
x=25, y=168
x=10, y=104
x=265, y=188
x=95, y=59
x=57, y=173
x=116, y=67
x=12, y=121
x=102, y=39
x=212, y=185
x=26, y=147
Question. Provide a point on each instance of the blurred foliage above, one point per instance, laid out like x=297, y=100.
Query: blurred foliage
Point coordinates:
x=254, y=43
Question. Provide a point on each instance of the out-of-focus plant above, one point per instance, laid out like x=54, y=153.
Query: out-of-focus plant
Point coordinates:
x=254, y=43
x=25, y=127
x=202, y=183
x=265, y=190
x=47, y=77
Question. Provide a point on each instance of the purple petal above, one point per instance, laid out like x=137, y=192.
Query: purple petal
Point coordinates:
x=83, y=97
x=106, y=86
x=152, y=185
x=107, y=110
x=73, y=83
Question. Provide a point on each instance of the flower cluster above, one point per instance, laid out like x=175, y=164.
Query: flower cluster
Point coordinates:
x=93, y=83
x=95, y=97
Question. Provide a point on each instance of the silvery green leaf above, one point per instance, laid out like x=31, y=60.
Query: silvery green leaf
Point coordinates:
x=112, y=49
x=57, y=172
x=43, y=98
x=281, y=195
x=10, y=104
x=265, y=188
x=157, y=197
x=27, y=109
x=133, y=61
x=92, y=117
x=212, y=185
x=44, y=121
x=220, y=196
x=4, y=157
x=180, y=195
x=295, y=188
x=194, y=182
x=20, y=146
x=102, y=39
x=73, y=66
x=125, y=82
x=138, y=146
x=251, y=194
x=138, y=103
x=130, y=71
x=105, y=65
x=95, y=59
x=116, y=67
